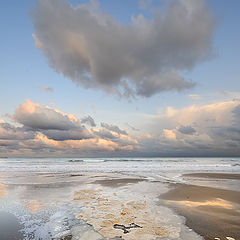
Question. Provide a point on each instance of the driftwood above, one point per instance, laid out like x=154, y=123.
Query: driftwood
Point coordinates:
x=125, y=228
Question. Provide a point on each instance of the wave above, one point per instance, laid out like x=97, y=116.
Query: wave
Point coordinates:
x=75, y=160
x=86, y=160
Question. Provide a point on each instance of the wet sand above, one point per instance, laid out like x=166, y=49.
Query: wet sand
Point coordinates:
x=118, y=182
x=213, y=213
x=214, y=175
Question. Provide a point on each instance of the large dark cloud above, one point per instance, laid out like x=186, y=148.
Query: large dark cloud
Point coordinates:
x=141, y=58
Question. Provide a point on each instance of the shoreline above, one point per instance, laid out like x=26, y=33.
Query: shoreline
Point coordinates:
x=213, y=213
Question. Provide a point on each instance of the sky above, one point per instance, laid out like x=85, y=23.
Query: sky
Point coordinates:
x=138, y=78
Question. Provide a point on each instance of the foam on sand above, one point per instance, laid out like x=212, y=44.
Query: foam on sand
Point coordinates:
x=113, y=216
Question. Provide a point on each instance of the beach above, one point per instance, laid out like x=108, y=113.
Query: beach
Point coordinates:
x=211, y=212
x=143, y=199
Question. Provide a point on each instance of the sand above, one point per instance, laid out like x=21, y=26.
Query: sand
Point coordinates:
x=113, y=217
x=215, y=175
x=118, y=182
x=213, y=213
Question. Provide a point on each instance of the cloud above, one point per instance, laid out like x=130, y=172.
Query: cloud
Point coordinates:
x=113, y=128
x=229, y=133
x=10, y=132
x=54, y=123
x=88, y=120
x=38, y=44
x=236, y=114
x=47, y=131
x=104, y=133
x=169, y=134
x=46, y=88
x=197, y=130
x=38, y=116
x=131, y=127
x=200, y=117
x=186, y=130
x=73, y=134
x=141, y=58
x=200, y=130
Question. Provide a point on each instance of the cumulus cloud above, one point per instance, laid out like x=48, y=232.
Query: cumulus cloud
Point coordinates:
x=53, y=123
x=88, y=120
x=141, y=58
x=47, y=131
x=200, y=117
x=200, y=130
x=38, y=116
